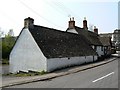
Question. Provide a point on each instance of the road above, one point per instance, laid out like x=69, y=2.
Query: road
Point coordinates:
x=105, y=76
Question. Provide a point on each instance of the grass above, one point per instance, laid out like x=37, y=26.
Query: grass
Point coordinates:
x=24, y=74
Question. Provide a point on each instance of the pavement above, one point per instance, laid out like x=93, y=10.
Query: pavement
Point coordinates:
x=116, y=55
x=4, y=69
x=11, y=81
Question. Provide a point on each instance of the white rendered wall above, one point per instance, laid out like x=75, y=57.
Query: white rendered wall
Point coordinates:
x=112, y=37
x=57, y=63
x=95, y=58
x=26, y=55
x=72, y=31
x=99, y=51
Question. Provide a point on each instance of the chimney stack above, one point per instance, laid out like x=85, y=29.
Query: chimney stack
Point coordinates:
x=95, y=30
x=85, y=23
x=28, y=22
x=71, y=23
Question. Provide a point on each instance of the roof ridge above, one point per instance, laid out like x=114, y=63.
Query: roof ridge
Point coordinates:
x=57, y=30
x=87, y=29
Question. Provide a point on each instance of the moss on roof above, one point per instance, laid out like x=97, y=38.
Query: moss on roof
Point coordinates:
x=57, y=44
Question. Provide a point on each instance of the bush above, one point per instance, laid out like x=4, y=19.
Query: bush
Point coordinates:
x=7, y=44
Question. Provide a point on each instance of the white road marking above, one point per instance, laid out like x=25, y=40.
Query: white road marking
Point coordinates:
x=103, y=77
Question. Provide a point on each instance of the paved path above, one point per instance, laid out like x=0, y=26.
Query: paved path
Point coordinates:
x=104, y=76
x=4, y=69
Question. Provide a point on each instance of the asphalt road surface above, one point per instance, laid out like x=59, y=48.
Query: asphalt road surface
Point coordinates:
x=105, y=76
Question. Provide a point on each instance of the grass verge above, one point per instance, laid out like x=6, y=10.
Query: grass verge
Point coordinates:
x=24, y=74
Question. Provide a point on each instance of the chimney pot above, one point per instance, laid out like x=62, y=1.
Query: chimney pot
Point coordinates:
x=72, y=18
x=94, y=27
x=84, y=18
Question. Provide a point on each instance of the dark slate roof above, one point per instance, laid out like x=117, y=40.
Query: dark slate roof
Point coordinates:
x=55, y=43
x=92, y=37
x=105, y=41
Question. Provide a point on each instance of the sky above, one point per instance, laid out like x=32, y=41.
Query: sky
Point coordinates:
x=56, y=14
x=119, y=15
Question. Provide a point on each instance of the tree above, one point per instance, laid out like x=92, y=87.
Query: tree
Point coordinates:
x=1, y=33
x=11, y=33
x=7, y=44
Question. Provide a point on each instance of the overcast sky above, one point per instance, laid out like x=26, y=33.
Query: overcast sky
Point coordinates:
x=56, y=13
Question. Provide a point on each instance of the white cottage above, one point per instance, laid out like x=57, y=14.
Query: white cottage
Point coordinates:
x=92, y=37
x=41, y=48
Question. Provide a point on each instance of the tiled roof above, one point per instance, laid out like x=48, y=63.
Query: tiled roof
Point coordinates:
x=55, y=43
x=105, y=41
x=92, y=37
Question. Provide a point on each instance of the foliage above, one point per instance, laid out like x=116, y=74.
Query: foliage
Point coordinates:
x=7, y=44
x=43, y=72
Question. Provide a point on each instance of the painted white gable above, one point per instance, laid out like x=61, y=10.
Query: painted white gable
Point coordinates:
x=72, y=31
x=26, y=55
